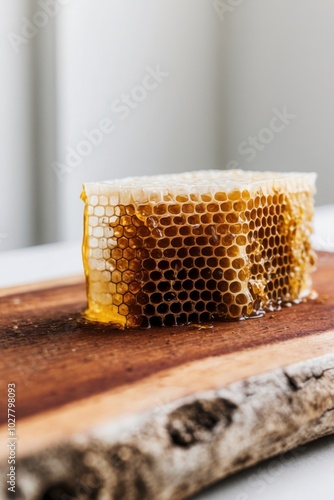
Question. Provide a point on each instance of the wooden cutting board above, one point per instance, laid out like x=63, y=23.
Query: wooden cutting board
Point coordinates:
x=160, y=413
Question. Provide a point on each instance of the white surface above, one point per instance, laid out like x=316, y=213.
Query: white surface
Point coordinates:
x=323, y=238
x=306, y=473
x=40, y=263
x=303, y=474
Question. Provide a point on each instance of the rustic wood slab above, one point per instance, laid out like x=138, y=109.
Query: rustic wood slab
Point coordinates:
x=160, y=413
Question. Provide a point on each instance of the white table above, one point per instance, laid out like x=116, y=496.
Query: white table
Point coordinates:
x=304, y=474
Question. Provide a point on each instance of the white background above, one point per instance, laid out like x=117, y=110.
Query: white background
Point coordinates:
x=228, y=68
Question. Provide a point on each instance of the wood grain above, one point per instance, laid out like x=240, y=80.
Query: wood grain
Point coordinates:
x=73, y=376
x=162, y=388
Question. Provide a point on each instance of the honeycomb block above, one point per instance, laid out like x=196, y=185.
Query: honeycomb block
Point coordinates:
x=197, y=247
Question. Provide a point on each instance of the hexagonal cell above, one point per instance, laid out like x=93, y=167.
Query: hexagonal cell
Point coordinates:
x=117, y=299
x=123, y=242
x=129, y=298
x=230, y=274
x=122, y=288
x=116, y=253
x=116, y=276
x=98, y=232
x=99, y=210
x=122, y=264
x=134, y=287
x=109, y=211
x=130, y=231
x=118, y=231
x=235, y=311
x=125, y=220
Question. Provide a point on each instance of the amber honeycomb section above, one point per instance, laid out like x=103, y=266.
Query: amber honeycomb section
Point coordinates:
x=196, y=247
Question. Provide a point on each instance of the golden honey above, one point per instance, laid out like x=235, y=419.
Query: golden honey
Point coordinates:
x=197, y=247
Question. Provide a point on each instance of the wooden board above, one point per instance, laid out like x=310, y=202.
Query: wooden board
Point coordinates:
x=159, y=413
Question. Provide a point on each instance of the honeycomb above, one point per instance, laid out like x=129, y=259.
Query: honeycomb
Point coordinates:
x=196, y=247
